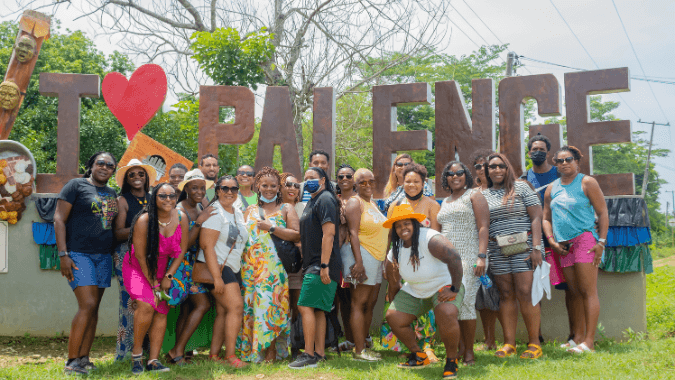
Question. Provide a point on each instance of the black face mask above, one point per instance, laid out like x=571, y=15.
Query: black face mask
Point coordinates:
x=538, y=157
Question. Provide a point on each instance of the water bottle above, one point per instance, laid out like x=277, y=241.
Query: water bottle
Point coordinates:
x=485, y=280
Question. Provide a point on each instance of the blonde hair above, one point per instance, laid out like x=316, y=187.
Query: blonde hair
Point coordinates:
x=393, y=181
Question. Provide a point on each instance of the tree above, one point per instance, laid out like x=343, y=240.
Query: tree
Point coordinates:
x=316, y=42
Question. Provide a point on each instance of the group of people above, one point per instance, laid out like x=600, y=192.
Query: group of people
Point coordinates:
x=270, y=249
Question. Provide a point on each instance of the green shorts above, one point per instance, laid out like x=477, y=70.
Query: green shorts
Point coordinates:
x=314, y=293
x=406, y=303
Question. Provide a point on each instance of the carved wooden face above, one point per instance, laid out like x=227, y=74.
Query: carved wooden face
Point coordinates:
x=25, y=49
x=9, y=95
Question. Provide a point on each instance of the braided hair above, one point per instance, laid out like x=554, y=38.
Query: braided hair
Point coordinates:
x=271, y=172
x=414, y=249
x=152, y=245
x=322, y=174
x=90, y=162
x=126, y=187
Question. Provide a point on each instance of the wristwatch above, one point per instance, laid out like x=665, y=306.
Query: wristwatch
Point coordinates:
x=198, y=225
x=272, y=229
x=452, y=288
x=539, y=248
x=324, y=265
x=482, y=255
x=63, y=253
x=169, y=276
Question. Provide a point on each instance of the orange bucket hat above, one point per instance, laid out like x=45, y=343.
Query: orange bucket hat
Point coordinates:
x=401, y=212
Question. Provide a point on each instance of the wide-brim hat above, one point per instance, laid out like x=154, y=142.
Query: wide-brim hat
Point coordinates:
x=402, y=212
x=194, y=175
x=134, y=163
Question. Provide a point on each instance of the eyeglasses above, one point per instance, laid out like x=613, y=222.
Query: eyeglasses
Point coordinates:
x=402, y=164
x=458, y=173
x=250, y=174
x=495, y=166
x=133, y=175
x=165, y=196
x=343, y=176
x=561, y=160
x=105, y=163
x=228, y=189
x=370, y=183
x=292, y=184
x=479, y=166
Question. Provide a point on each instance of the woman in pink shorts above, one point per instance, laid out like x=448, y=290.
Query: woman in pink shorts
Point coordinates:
x=570, y=206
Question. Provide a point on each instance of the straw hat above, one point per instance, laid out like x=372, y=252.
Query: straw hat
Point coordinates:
x=194, y=175
x=122, y=172
x=401, y=212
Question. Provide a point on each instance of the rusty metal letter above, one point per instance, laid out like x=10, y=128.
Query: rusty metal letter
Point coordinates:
x=69, y=88
x=211, y=131
x=553, y=132
x=386, y=140
x=583, y=134
x=545, y=90
x=323, y=136
x=456, y=134
x=277, y=129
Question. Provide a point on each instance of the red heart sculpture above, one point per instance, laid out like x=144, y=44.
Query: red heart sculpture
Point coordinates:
x=134, y=102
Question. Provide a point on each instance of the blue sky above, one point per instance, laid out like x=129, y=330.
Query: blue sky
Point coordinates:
x=534, y=29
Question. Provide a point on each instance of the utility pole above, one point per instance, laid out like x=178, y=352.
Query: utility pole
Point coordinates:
x=667, y=206
x=510, y=60
x=645, y=179
x=672, y=235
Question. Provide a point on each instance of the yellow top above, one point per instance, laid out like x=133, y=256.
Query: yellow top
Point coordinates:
x=372, y=235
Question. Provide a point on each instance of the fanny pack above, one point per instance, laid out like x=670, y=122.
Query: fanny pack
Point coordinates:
x=513, y=244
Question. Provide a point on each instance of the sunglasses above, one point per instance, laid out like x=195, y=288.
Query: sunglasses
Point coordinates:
x=561, y=160
x=479, y=166
x=343, y=176
x=495, y=166
x=370, y=183
x=250, y=174
x=292, y=184
x=167, y=196
x=133, y=175
x=402, y=164
x=228, y=189
x=458, y=173
x=105, y=163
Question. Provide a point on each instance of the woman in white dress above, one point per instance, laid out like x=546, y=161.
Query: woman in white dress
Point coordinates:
x=465, y=219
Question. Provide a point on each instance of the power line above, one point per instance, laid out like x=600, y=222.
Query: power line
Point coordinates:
x=481, y=20
x=474, y=29
x=638, y=59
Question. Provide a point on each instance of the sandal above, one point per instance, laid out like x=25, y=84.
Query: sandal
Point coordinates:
x=178, y=360
x=188, y=356
x=532, y=354
x=235, y=363
x=570, y=344
x=581, y=349
x=502, y=353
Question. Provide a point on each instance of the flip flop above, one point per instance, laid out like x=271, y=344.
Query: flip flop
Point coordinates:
x=178, y=360
x=503, y=351
x=532, y=354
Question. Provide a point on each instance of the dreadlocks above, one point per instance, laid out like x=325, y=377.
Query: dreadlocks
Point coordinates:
x=414, y=249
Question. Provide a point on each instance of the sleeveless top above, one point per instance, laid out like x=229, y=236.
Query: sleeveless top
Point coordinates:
x=458, y=224
x=194, y=249
x=571, y=210
x=371, y=233
x=135, y=206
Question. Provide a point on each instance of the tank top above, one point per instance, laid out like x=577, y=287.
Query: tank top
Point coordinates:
x=135, y=206
x=371, y=233
x=571, y=211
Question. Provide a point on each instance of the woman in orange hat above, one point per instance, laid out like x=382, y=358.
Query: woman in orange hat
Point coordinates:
x=432, y=270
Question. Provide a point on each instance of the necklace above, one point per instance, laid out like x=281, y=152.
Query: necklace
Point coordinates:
x=143, y=202
x=165, y=224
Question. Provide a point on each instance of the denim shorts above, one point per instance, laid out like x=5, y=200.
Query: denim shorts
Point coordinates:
x=93, y=269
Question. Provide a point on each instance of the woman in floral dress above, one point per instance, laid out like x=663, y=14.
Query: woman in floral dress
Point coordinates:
x=266, y=327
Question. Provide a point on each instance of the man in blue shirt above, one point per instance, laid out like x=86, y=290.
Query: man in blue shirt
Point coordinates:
x=542, y=172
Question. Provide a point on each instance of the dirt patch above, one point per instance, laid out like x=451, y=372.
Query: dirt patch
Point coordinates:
x=668, y=261
x=18, y=350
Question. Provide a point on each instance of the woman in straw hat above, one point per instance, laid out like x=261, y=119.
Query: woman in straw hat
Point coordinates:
x=135, y=180
x=432, y=270
x=193, y=190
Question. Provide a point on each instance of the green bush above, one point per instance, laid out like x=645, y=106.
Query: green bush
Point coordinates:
x=661, y=302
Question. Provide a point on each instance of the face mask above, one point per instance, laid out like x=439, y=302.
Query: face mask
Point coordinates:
x=312, y=185
x=538, y=157
x=262, y=198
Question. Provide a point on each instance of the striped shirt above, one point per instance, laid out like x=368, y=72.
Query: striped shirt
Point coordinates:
x=510, y=218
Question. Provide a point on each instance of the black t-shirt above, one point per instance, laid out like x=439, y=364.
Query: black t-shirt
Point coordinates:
x=90, y=224
x=321, y=209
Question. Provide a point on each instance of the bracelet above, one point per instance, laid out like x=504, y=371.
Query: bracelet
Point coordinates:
x=548, y=237
x=156, y=286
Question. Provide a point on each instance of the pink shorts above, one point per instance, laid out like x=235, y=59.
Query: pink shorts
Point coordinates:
x=556, y=275
x=578, y=253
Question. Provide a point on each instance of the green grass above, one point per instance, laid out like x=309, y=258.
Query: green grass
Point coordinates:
x=661, y=302
x=637, y=360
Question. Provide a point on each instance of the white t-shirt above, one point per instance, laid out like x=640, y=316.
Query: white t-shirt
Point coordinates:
x=431, y=275
x=231, y=227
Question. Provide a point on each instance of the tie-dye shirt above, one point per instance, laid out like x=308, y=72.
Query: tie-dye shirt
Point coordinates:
x=89, y=228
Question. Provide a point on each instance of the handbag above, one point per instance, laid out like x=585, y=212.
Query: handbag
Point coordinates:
x=201, y=273
x=287, y=251
x=513, y=244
